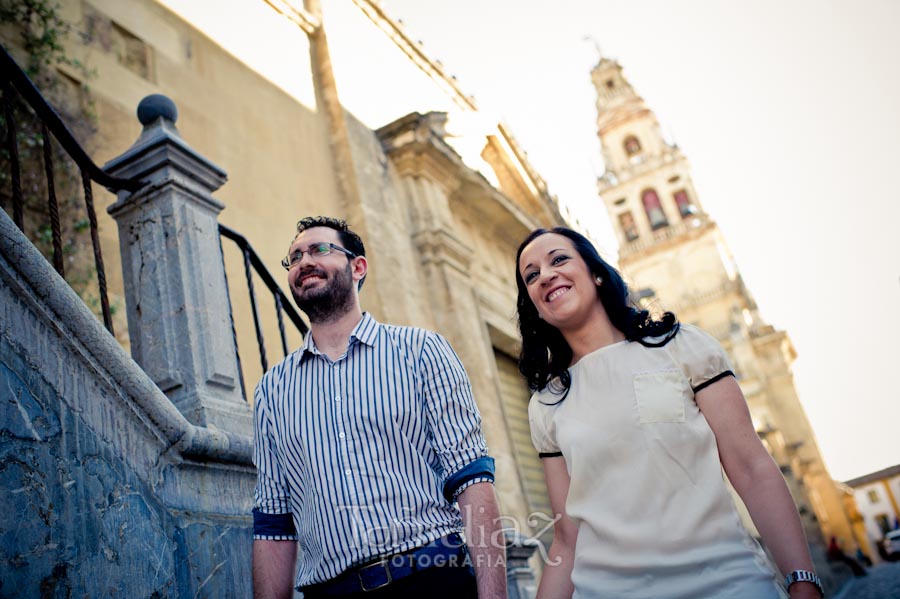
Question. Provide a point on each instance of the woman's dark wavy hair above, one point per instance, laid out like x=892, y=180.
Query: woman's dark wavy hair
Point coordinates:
x=545, y=357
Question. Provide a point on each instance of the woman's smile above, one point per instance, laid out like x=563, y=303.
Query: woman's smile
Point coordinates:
x=556, y=293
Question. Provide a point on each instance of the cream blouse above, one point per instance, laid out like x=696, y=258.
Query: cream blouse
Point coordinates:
x=654, y=516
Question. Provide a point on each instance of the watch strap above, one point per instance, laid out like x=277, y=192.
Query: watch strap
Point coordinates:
x=804, y=576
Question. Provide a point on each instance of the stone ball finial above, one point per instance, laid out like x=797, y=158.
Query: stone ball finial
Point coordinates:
x=154, y=106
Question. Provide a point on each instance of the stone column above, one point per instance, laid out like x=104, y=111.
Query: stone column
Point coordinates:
x=431, y=171
x=179, y=320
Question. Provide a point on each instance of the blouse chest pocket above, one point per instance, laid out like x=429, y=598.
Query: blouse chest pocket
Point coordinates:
x=660, y=396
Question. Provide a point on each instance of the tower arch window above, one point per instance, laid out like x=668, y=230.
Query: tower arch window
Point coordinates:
x=685, y=206
x=632, y=146
x=653, y=208
x=628, y=226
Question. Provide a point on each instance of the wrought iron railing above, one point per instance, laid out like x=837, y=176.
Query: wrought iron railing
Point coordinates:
x=15, y=80
x=52, y=126
x=252, y=263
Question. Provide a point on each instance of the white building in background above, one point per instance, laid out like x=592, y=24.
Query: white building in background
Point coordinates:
x=876, y=496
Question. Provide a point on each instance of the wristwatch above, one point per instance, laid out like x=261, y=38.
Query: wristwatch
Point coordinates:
x=804, y=576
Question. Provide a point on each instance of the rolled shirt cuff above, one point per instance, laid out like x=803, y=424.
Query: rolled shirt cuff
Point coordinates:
x=480, y=470
x=273, y=527
x=464, y=486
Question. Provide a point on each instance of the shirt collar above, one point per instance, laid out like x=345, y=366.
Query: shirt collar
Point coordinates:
x=365, y=331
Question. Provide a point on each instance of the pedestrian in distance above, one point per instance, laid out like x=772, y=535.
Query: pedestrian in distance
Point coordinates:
x=836, y=554
x=862, y=558
x=635, y=418
x=369, y=450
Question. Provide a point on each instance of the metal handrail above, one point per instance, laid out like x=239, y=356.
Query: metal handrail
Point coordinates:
x=252, y=262
x=48, y=115
x=52, y=124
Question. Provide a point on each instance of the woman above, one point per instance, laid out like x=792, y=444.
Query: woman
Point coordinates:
x=635, y=420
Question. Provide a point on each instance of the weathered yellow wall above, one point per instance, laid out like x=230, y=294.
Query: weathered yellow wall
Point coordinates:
x=274, y=149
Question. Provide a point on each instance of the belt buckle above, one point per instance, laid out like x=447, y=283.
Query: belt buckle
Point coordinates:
x=383, y=562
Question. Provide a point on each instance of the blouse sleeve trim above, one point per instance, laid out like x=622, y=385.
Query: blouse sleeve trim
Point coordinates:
x=706, y=384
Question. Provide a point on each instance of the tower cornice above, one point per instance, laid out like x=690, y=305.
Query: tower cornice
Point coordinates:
x=614, y=180
x=665, y=239
x=621, y=115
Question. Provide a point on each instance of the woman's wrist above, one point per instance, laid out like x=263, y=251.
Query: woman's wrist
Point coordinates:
x=804, y=590
x=804, y=583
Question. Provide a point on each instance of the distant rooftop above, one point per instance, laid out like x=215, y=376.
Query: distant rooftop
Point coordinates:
x=874, y=476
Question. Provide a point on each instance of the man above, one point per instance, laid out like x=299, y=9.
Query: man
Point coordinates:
x=364, y=438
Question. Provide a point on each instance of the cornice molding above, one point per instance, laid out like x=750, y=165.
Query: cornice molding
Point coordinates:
x=416, y=147
x=442, y=248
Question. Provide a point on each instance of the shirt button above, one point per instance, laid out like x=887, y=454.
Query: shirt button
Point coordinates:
x=341, y=435
x=348, y=472
x=338, y=398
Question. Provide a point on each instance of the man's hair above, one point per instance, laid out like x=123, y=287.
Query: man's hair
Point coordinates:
x=349, y=239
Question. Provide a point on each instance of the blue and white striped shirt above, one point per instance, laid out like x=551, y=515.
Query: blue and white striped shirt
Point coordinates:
x=363, y=456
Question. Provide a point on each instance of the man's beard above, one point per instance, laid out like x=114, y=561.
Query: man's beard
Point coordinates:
x=329, y=301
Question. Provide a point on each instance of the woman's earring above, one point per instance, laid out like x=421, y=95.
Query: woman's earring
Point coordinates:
x=599, y=280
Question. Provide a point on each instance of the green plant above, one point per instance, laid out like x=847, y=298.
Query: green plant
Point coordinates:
x=39, y=34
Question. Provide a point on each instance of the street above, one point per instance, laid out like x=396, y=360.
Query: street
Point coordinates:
x=883, y=582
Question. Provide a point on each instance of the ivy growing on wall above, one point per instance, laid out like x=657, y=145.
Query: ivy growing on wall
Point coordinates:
x=37, y=35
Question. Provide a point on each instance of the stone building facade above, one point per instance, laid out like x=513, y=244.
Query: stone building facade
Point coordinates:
x=441, y=227
x=676, y=258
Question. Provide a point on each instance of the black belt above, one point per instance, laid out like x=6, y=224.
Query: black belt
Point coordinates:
x=446, y=551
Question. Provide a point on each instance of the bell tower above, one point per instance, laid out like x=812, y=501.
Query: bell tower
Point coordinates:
x=671, y=248
x=647, y=186
x=623, y=119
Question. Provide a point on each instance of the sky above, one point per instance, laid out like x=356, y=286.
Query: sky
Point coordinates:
x=788, y=111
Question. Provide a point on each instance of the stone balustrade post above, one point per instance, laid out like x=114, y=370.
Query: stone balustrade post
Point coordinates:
x=179, y=319
x=519, y=575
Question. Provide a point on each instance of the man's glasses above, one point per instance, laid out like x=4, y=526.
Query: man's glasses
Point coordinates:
x=315, y=251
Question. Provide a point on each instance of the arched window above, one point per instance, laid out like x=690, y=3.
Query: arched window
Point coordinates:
x=632, y=146
x=629, y=227
x=685, y=205
x=653, y=209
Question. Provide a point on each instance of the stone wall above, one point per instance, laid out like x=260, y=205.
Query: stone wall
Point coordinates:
x=107, y=491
